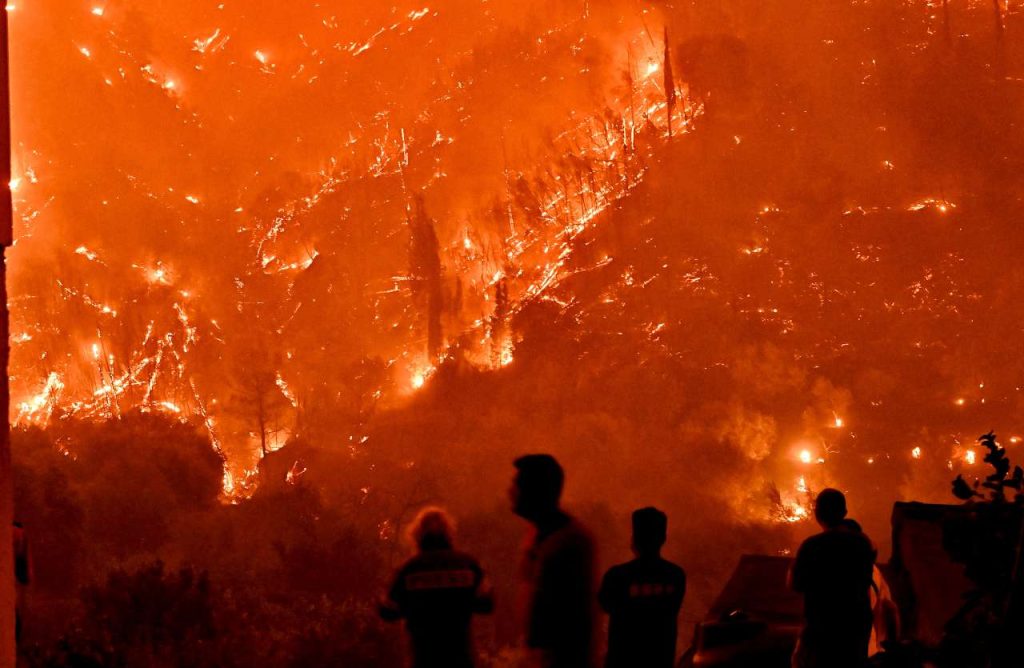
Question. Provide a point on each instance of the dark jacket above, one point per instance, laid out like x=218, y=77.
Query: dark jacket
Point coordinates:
x=436, y=593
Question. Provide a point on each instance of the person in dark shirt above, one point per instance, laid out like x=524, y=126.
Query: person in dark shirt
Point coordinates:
x=557, y=569
x=437, y=592
x=643, y=598
x=22, y=574
x=833, y=570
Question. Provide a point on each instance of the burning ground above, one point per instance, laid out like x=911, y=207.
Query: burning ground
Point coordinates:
x=390, y=248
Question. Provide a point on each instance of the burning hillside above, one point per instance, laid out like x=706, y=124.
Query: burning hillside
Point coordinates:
x=276, y=222
x=245, y=217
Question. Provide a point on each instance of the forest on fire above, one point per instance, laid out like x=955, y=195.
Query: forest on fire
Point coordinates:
x=273, y=294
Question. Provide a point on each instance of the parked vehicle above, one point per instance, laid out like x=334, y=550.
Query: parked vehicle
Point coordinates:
x=755, y=621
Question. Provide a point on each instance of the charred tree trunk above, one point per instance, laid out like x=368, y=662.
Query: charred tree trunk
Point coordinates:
x=425, y=274
x=946, y=30
x=499, y=321
x=261, y=421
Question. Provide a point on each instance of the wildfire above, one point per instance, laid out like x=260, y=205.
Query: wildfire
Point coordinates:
x=937, y=204
x=40, y=407
x=594, y=160
x=798, y=512
x=418, y=380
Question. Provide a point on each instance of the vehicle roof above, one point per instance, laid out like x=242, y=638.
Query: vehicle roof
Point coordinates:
x=758, y=587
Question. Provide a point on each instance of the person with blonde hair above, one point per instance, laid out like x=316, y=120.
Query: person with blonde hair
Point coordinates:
x=437, y=592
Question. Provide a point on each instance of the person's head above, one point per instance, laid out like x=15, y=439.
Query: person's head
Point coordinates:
x=433, y=529
x=650, y=526
x=537, y=487
x=830, y=508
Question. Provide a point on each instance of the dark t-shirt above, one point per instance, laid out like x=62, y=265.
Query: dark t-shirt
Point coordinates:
x=833, y=571
x=643, y=598
x=558, y=569
x=437, y=592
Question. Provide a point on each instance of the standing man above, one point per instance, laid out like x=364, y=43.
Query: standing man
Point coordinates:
x=437, y=592
x=22, y=574
x=557, y=570
x=643, y=598
x=833, y=570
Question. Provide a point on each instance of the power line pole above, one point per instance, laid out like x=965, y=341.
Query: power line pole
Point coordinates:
x=7, y=591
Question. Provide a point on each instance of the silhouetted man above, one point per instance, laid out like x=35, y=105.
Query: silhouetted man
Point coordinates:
x=22, y=574
x=833, y=570
x=643, y=598
x=437, y=592
x=558, y=568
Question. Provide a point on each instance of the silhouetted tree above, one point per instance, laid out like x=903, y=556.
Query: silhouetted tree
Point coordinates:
x=946, y=30
x=257, y=399
x=997, y=10
x=499, y=319
x=987, y=540
x=425, y=272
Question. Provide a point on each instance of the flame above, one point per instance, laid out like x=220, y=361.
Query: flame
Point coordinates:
x=938, y=204
x=294, y=473
x=40, y=407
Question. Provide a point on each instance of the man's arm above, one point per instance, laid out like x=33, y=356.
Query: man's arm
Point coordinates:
x=390, y=608
x=681, y=593
x=610, y=594
x=797, y=579
x=483, y=595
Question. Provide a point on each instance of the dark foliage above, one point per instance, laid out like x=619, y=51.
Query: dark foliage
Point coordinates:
x=987, y=540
